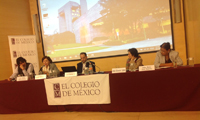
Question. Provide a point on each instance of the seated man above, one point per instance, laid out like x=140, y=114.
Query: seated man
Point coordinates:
x=22, y=69
x=84, y=63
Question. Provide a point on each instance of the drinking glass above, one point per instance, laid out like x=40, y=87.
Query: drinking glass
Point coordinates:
x=30, y=76
x=86, y=72
x=54, y=73
x=175, y=64
x=50, y=74
x=191, y=61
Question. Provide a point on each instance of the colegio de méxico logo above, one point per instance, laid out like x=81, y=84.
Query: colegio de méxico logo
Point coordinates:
x=57, y=92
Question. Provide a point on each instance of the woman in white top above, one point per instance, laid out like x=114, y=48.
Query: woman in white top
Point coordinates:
x=165, y=57
x=48, y=66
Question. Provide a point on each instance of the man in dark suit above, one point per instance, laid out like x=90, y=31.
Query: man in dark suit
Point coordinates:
x=84, y=63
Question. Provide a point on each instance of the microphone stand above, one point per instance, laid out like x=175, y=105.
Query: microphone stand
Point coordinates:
x=98, y=68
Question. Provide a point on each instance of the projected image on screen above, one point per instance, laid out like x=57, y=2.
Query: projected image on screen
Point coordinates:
x=103, y=27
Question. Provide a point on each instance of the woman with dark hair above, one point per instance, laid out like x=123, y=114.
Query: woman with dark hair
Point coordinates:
x=23, y=68
x=48, y=66
x=166, y=57
x=134, y=60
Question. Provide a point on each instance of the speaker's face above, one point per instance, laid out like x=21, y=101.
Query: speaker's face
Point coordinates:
x=130, y=56
x=46, y=62
x=164, y=52
x=22, y=64
x=83, y=58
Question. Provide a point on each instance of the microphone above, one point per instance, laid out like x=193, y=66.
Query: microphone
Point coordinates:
x=93, y=64
x=98, y=67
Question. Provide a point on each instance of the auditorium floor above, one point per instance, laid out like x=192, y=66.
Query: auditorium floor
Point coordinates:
x=177, y=115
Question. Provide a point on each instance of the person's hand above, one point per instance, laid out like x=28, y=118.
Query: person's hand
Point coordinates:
x=170, y=64
x=45, y=72
x=22, y=67
x=9, y=79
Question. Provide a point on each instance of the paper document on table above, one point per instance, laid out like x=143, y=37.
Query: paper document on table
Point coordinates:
x=164, y=67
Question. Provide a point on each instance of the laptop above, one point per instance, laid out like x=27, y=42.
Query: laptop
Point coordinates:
x=69, y=69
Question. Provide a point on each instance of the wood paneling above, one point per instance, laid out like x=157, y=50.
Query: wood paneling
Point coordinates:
x=192, y=20
x=15, y=20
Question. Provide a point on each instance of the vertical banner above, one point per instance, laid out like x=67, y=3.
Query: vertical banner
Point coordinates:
x=24, y=46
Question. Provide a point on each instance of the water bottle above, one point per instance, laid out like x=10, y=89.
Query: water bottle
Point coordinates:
x=54, y=73
x=86, y=71
x=191, y=61
x=175, y=64
x=90, y=69
x=50, y=74
x=131, y=67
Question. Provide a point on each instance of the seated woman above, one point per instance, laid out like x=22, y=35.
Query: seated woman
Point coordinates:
x=165, y=57
x=48, y=66
x=134, y=60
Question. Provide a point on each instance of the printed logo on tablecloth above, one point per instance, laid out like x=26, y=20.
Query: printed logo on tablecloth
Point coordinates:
x=71, y=90
x=57, y=92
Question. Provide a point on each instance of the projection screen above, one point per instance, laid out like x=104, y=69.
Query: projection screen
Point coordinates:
x=103, y=28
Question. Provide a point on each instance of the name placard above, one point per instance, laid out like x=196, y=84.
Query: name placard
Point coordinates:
x=43, y=76
x=147, y=68
x=118, y=70
x=70, y=74
x=23, y=78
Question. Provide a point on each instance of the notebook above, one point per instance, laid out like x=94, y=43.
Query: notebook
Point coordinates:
x=69, y=69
